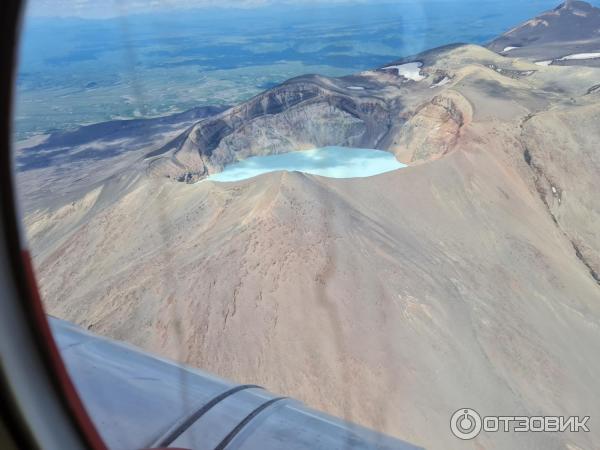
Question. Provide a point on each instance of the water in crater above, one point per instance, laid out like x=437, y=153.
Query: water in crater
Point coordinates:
x=333, y=162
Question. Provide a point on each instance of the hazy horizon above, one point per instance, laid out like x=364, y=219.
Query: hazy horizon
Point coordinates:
x=89, y=9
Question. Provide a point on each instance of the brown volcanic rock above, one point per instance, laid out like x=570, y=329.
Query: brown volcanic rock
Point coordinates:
x=434, y=129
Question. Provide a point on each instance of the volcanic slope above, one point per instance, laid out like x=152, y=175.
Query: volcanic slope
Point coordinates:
x=469, y=278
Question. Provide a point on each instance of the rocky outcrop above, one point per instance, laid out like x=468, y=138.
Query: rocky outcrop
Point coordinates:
x=434, y=129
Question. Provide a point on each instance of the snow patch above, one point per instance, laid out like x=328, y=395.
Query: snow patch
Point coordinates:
x=508, y=49
x=356, y=88
x=410, y=71
x=536, y=22
x=580, y=56
x=544, y=63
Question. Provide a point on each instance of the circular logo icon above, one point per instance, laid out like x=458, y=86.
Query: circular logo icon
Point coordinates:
x=465, y=423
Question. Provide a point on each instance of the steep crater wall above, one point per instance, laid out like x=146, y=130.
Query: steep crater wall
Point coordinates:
x=313, y=112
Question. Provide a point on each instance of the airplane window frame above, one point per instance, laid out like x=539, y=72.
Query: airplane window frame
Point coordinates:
x=40, y=407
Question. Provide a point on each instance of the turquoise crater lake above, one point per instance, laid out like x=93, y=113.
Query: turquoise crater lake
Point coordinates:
x=332, y=162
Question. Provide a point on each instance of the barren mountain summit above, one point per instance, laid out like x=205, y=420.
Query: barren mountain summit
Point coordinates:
x=566, y=35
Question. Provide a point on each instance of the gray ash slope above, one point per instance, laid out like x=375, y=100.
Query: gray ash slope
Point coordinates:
x=571, y=28
x=63, y=164
x=140, y=133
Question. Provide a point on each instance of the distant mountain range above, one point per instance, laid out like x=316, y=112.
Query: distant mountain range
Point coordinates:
x=470, y=278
